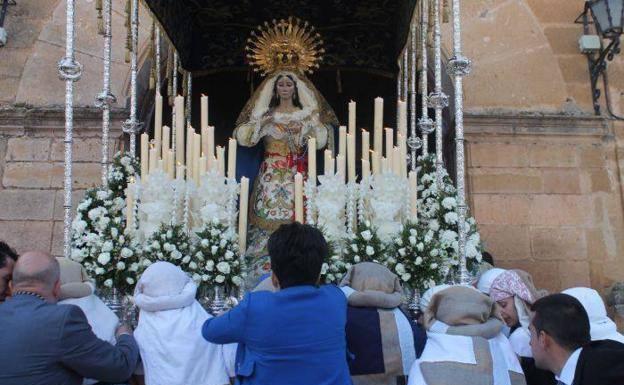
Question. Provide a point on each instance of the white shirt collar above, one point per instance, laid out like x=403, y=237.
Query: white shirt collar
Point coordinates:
x=569, y=369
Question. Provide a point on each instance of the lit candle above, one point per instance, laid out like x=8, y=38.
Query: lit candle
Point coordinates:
x=402, y=123
x=204, y=112
x=196, y=156
x=413, y=189
x=342, y=146
x=221, y=160
x=299, y=197
x=352, y=117
x=328, y=162
x=389, y=144
x=312, y=160
x=158, y=122
x=396, y=161
x=365, y=169
x=378, y=125
x=166, y=138
x=242, y=215
x=340, y=164
x=210, y=152
x=144, y=155
x=375, y=156
x=179, y=129
x=351, y=157
x=365, y=145
x=231, y=158
x=130, y=205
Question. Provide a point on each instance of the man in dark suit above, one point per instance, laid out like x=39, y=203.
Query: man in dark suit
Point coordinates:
x=297, y=334
x=42, y=343
x=561, y=343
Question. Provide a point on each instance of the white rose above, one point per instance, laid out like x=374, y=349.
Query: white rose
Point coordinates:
x=169, y=234
x=126, y=252
x=366, y=235
x=108, y=283
x=222, y=243
x=146, y=262
x=229, y=254
x=398, y=241
x=418, y=261
x=205, y=277
x=121, y=265
x=405, y=277
x=413, y=232
x=214, y=250
x=205, y=243
x=176, y=254
x=420, y=246
x=107, y=246
x=197, y=278
x=402, y=252
x=400, y=269
x=236, y=280
x=219, y=279
x=412, y=240
x=210, y=265
x=356, y=259
x=433, y=266
x=130, y=281
x=370, y=250
x=134, y=267
x=99, y=271
x=223, y=267
x=186, y=259
x=193, y=266
x=103, y=258
x=354, y=248
x=168, y=246
x=156, y=245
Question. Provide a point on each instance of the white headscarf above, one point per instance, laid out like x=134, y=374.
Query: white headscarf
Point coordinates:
x=306, y=95
x=601, y=326
x=169, y=331
x=485, y=281
x=425, y=299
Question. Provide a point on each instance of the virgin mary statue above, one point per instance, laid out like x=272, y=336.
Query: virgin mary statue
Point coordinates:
x=282, y=115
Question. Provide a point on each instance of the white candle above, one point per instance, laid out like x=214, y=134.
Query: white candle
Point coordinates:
x=384, y=165
x=180, y=172
x=312, y=160
x=351, y=157
x=179, y=129
x=166, y=140
x=378, y=125
x=340, y=164
x=170, y=167
x=375, y=156
x=152, y=159
x=130, y=206
x=365, y=169
x=389, y=143
x=242, y=215
x=210, y=152
x=328, y=162
x=365, y=145
x=204, y=112
x=342, y=146
x=402, y=123
x=158, y=122
x=299, y=197
x=231, y=158
x=144, y=156
x=352, y=117
x=396, y=161
x=196, y=156
x=221, y=160
x=190, y=132
x=202, y=169
x=413, y=189
x=160, y=164
x=403, y=146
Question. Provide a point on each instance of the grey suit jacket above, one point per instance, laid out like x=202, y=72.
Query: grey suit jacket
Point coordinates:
x=47, y=344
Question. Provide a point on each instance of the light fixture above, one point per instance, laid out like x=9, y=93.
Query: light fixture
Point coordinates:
x=607, y=16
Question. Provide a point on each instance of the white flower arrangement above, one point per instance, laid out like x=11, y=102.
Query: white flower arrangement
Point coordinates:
x=362, y=246
x=217, y=256
x=98, y=240
x=334, y=268
x=169, y=243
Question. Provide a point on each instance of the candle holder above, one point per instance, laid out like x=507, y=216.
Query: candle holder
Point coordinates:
x=218, y=304
x=233, y=190
x=351, y=207
x=310, y=192
x=362, y=195
x=414, y=305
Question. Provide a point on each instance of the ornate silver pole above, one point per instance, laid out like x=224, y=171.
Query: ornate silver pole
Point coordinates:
x=414, y=142
x=69, y=71
x=399, y=82
x=438, y=99
x=458, y=67
x=132, y=126
x=174, y=75
x=105, y=99
x=425, y=124
x=405, y=73
x=158, y=58
x=189, y=93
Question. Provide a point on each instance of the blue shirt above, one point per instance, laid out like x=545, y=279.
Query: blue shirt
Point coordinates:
x=294, y=336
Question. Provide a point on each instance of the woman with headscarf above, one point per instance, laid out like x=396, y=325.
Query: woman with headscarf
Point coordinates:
x=169, y=331
x=514, y=292
x=601, y=327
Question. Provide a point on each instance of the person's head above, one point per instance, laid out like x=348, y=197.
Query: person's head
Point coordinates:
x=487, y=257
x=600, y=325
x=8, y=256
x=285, y=88
x=39, y=273
x=297, y=253
x=75, y=282
x=511, y=292
x=559, y=326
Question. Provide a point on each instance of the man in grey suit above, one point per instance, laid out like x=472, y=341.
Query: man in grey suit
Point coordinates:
x=42, y=343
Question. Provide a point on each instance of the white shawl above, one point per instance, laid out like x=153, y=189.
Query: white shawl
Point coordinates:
x=169, y=331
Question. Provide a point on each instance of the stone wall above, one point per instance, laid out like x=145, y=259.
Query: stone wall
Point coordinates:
x=547, y=196
x=31, y=172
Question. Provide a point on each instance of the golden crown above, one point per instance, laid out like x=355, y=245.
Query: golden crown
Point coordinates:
x=291, y=45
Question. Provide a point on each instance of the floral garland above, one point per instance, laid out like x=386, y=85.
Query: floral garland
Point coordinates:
x=419, y=266
x=98, y=240
x=439, y=220
x=217, y=251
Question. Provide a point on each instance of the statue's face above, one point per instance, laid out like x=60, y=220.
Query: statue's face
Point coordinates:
x=285, y=88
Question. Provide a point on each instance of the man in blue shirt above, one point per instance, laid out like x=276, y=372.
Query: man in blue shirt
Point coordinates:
x=295, y=335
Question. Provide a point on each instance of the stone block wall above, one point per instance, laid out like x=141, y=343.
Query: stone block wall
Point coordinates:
x=546, y=194
x=31, y=172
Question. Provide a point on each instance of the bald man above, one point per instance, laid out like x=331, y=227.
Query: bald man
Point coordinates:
x=42, y=343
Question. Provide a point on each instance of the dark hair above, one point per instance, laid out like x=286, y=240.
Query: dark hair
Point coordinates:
x=275, y=99
x=487, y=257
x=6, y=252
x=562, y=317
x=297, y=253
